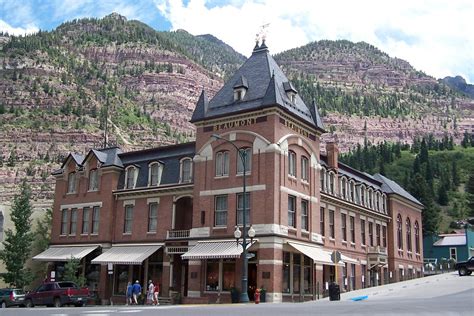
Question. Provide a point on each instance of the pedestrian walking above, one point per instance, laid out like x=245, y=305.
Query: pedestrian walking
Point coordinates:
x=136, y=290
x=129, y=293
x=149, y=294
x=156, y=292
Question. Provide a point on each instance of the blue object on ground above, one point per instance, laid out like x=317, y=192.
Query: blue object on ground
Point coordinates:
x=359, y=298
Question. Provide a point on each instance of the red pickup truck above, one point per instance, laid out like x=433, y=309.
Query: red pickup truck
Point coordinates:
x=57, y=294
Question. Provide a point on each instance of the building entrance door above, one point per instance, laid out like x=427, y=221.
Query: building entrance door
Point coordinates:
x=252, y=280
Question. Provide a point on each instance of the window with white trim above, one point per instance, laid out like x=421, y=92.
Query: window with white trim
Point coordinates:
x=93, y=180
x=304, y=168
x=343, y=188
x=399, y=232
x=323, y=180
x=64, y=222
x=71, y=182
x=292, y=163
x=95, y=220
x=240, y=208
x=128, y=219
x=291, y=211
x=304, y=215
x=186, y=172
x=131, y=174
x=417, y=237
x=332, y=232
x=220, y=216
x=247, y=152
x=85, y=220
x=331, y=182
x=222, y=163
x=344, y=227
x=154, y=173
x=362, y=231
x=73, y=223
x=408, y=224
x=152, y=217
x=352, y=228
x=352, y=191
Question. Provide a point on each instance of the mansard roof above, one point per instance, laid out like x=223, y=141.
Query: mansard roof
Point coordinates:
x=266, y=86
x=390, y=186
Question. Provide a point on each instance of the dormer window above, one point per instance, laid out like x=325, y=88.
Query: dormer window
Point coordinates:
x=154, y=173
x=131, y=174
x=290, y=91
x=186, y=170
x=240, y=88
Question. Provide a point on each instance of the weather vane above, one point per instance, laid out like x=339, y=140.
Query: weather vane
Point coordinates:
x=262, y=33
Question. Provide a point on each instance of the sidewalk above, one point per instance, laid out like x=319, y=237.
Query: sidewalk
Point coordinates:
x=410, y=287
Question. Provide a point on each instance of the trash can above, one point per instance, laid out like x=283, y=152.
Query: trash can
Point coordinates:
x=334, y=292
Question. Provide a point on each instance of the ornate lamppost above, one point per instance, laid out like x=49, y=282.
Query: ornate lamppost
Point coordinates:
x=244, y=297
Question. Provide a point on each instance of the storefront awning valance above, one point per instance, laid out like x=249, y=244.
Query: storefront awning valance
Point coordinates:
x=214, y=250
x=128, y=254
x=320, y=255
x=64, y=253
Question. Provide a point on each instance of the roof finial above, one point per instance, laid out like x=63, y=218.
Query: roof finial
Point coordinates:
x=261, y=36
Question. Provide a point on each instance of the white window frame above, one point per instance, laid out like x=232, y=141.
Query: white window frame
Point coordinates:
x=73, y=222
x=135, y=176
x=304, y=168
x=85, y=229
x=127, y=231
x=240, y=208
x=221, y=211
x=182, y=175
x=64, y=222
x=248, y=161
x=152, y=218
x=292, y=212
x=222, y=163
x=72, y=182
x=331, y=187
x=305, y=215
x=93, y=180
x=292, y=163
x=94, y=220
x=159, y=172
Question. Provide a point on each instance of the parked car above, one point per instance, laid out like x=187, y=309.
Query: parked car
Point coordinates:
x=11, y=297
x=57, y=294
x=465, y=267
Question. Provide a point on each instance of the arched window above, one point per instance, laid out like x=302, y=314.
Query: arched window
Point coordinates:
x=304, y=168
x=322, y=179
x=131, y=174
x=71, y=182
x=362, y=195
x=93, y=180
x=384, y=203
x=292, y=163
x=371, y=198
x=154, y=173
x=408, y=224
x=417, y=237
x=222, y=163
x=377, y=201
x=248, y=161
x=343, y=188
x=351, y=191
x=331, y=182
x=186, y=170
x=399, y=232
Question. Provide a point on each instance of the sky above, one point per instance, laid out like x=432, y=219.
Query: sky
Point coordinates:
x=435, y=36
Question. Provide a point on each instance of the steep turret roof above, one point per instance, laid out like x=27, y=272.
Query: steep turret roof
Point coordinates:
x=266, y=86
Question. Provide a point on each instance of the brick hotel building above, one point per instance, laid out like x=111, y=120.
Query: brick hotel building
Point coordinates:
x=169, y=213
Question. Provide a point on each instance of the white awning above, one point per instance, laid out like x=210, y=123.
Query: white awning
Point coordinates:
x=64, y=253
x=320, y=255
x=129, y=254
x=214, y=250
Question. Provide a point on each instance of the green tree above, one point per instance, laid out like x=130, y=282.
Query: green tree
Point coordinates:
x=470, y=193
x=42, y=239
x=17, y=244
x=455, y=174
x=12, y=159
x=72, y=273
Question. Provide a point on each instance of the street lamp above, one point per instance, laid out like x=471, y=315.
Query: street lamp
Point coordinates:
x=244, y=297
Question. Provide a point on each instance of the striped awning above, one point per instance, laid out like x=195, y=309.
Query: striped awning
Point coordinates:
x=320, y=255
x=214, y=250
x=129, y=254
x=64, y=253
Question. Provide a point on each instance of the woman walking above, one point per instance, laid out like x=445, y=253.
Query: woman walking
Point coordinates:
x=156, y=293
x=151, y=290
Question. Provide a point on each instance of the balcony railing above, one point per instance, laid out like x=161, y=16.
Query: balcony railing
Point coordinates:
x=377, y=250
x=177, y=250
x=177, y=234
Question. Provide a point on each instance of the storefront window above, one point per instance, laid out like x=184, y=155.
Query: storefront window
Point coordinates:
x=92, y=276
x=120, y=279
x=228, y=275
x=296, y=272
x=212, y=275
x=307, y=275
x=286, y=272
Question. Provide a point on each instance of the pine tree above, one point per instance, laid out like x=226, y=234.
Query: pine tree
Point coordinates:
x=71, y=272
x=470, y=193
x=17, y=244
x=430, y=214
x=455, y=174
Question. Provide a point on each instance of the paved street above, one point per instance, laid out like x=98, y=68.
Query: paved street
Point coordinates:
x=446, y=294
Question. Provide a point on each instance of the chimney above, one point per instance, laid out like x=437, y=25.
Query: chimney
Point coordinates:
x=332, y=152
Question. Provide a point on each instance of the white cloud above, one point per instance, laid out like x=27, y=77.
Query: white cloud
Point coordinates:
x=7, y=28
x=434, y=36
